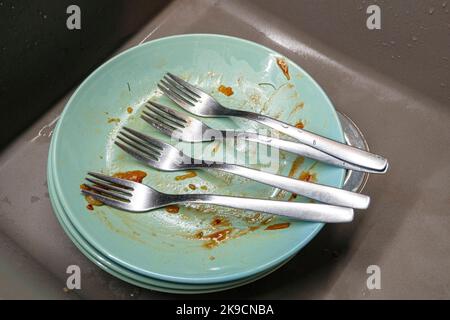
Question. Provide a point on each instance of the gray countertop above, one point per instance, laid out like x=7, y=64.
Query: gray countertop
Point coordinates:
x=405, y=232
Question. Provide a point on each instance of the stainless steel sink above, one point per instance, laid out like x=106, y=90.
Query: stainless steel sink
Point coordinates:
x=393, y=83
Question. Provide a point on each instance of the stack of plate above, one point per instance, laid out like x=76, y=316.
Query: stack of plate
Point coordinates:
x=166, y=251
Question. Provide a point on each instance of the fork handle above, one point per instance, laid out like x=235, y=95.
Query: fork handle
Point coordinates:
x=336, y=149
x=311, y=190
x=299, y=149
x=302, y=211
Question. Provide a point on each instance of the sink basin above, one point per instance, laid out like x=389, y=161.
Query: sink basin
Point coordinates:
x=393, y=83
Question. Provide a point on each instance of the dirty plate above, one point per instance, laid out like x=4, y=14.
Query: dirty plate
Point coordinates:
x=129, y=276
x=164, y=245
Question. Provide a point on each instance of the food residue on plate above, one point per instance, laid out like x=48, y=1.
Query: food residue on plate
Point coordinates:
x=173, y=208
x=129, y=109
x=284, y=67
x=192, y=186
x=228, y=91
x=189, y=174
x=278, y=226
x=300, y=124
x=220, y=221
x=308, y=176
x=295, y=165
x=243, y=232
x=204, y=187
x=213, y=239
x=136, y=176
x=111, y=120
x=267, y=220
x=90, y=199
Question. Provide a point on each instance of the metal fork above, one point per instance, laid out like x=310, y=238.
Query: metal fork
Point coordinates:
x=138, y=197
x=189, y=129
x=202, y=104
x=164, y=156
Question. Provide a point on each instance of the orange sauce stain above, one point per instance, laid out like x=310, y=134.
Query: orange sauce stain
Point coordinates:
x=189, y=174
x=92, y=201
x=129, y=109
x=84, y=187
x=173, y=209
x=217, y=237
x=308, y=176
x=220, y=221
x=192, y=186
x=278, y=226
x=135, y=175
x=228, y=91
x=284, y=67
x=300, y=125
x=295, y=165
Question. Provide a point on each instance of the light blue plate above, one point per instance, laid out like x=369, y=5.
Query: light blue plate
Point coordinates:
x=133, y=278
x=158, y=244
x=129, y=276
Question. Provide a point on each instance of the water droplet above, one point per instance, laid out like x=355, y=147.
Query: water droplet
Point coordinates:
x=392, y=42
x=442, y=85
x=409, y=45
x=444, y=4
x=431, y=10
x=384, y=44
x=314, y=142
x=414, y=38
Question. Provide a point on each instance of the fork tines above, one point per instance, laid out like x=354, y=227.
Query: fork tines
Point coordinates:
x=163, y=119
x=179, y=91
x=139, y=145
x=109, y=190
